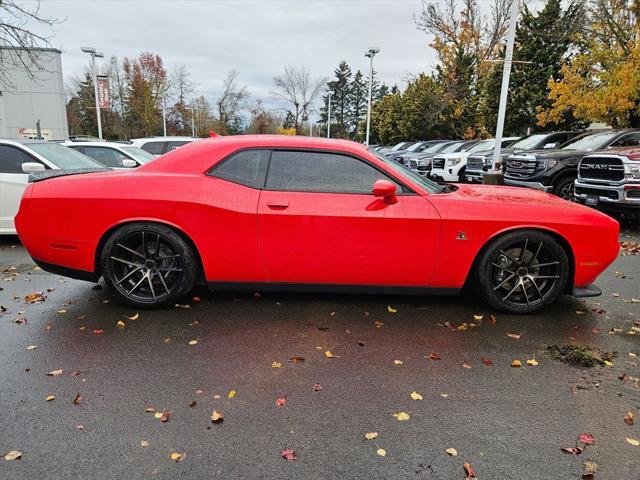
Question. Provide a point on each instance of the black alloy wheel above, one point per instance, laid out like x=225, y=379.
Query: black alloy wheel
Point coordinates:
x=565, y=189
x=522, y=271
x=148, y=265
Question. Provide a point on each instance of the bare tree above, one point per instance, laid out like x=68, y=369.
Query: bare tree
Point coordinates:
x=296, y=87
x=181, y=84
x=230, y=103
x=16, y=34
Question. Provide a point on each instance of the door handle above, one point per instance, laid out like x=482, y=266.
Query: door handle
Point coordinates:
x=277, y=205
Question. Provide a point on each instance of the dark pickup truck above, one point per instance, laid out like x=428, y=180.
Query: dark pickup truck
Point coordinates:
x=482, y=161
x=555, y=170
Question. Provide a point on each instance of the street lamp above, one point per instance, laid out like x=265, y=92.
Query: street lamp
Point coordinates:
x=329, y=115
x=193, y=123
x=370, y=53
x=92, y=51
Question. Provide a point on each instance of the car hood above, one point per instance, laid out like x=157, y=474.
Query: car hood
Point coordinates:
x=514, y=195
x=552, y=153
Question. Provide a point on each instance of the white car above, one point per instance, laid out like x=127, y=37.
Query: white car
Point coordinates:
x=113, y=154
x=159, y=145
x=450, y=167
x=19, y=158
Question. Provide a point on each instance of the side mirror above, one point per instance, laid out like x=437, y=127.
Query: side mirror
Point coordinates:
x=386, y=190
x=550, y=145
x=32, y=167
x=128, y=163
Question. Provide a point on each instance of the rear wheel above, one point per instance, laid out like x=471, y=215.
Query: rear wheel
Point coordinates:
x=148, y=265
x=522, y=271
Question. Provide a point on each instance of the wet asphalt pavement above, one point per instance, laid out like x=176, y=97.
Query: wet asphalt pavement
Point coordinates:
x=506, y=422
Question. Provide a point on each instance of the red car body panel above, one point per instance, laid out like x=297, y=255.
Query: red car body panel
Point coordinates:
x=243, y=235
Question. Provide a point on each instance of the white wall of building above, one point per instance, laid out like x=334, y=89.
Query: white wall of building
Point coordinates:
x=26, y=98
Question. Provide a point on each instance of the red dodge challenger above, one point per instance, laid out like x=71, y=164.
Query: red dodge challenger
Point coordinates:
x=299, y=213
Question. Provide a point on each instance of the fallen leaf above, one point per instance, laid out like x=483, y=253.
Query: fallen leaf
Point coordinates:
x=120, y=324
x=62, y=311
x=478, y=317
x=55, y=373
x=150, y=410
x=77, y=400
x=469, y=471
x=391, y=309
x=586, y=438
x=381, y=452
x=487, y=362
x=196, y=299
x=516, y=363
x=216, y=417
x=415, y=396
x=371, y=435
x=608, y=363
x=633, y=441
x=435, y=356
x=144, y=443
x=134, y=317
x=80, y=427
x=573, y=450
x=281, y=402
x=590, y=468
x=580, y=312
x=329, y=354
x=444, y=395
x=515, y=336
x=179, y=305
x=193, y=342
x=628, y=419
x=35, y=297
x=398, y=362
x=378, y=323
x=13, y=455
x=452, y=451
x=232, y=394
x=402, y=416
x=192, y=403
x=296, y=359
x=98, y=331
x=317, y=387
x=32, y=347
x=466, y=365
x=49, y=398
x=177, y=457
x=165, y=416
x=493, y=319
x=532, y=362
x=276, y=365
x=288, y=454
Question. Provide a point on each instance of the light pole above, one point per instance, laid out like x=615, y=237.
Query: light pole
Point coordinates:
x=493, y=176
x=92, y=51
x=329, y=115
x=193, y=122
x=164, y=119
x=370, y=53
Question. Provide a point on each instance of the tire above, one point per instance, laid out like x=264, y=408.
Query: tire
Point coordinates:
x=522, y=271
x=461, y=175
x=564, y=188
x=148, y=265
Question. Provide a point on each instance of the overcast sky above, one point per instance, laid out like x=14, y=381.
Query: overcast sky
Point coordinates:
x=257, y=38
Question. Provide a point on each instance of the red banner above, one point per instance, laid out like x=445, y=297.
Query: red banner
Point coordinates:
x=104, y=95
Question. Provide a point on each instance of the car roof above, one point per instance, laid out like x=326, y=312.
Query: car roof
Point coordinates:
x=157, y=139
x=97, y=144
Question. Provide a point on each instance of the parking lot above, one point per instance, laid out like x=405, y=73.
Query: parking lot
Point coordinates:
x=312, y=374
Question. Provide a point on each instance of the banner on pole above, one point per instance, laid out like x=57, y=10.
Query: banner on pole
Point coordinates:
x=104, y=96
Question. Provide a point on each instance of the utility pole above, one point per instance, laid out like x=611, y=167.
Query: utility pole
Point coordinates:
x=193, y=122
x=92, y=51
x=164, y=118
x=370, y=53
x=329, y=115
x=494, y=177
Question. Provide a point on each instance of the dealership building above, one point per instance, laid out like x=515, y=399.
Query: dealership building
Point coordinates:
x=32, y=99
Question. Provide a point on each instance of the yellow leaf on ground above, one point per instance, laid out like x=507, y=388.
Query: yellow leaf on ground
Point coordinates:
x=120, y=324
x=62, y=311
x=398, y=362
x=330, y=354
x=444, y=395
x=193, y=342
x=391, y=309
x=515, y=336
x=415, y=396
x=177, y=457
x=216, y=417
x=276, y=365
x=633, y=441
x=402, y=416
x=608, y=363
x=516, y=363
x=371, y=435
x=532, y=362
x=381, y=452
x=232, y=394
x=144, y=443
x=452, y=451
x=32, y=347
x=157, y=414
x=13, y=455
x=478, y=317
x=54, y=373
x=134, y=317
x=49, y=398
x=378, y=324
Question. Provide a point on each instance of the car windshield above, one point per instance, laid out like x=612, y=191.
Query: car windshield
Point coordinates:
x=529, y=142
x=430, y=186
x=595, y=141
x=400, y=146
x=483, y=145
x=415, y=146
x=64, y=158
x=139, y=154
x=454, y=147
x=438, y=147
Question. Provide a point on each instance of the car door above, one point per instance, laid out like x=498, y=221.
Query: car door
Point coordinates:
x=320, y=224
x=13, y=182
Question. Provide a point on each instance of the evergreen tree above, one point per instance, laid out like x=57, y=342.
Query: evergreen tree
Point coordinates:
x=422, y=107
x=340, y=101
x=358, y=99
x=289, y=120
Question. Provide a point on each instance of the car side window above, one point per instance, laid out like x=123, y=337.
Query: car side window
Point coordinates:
x=247, y=167
x=12, y=158
x=628, y=140
x=154, y=148
x=108, y=157
x=321, y=172
x=173, y=145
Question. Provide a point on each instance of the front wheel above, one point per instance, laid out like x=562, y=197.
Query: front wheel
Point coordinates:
x=522, y=271
x=148, y=265
x=565, y=189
